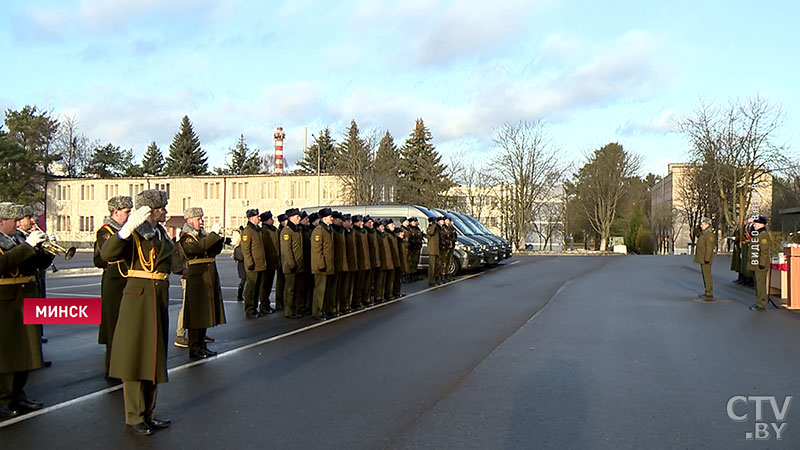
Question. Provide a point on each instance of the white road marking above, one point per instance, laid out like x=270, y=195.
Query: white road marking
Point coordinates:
x=233, y=351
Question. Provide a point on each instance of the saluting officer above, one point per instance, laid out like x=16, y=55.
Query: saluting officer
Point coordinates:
x=402, y=271
x=20, y=344
x=352, y=263
x=434, y=235
x=113, y=281
x=446, y=246
x=203, y=307
x=322, y=263
x=414, y=237
x=360, y=299
x=371, y=285
x=393, y=276
x=759, y=260
x=292, y=261
x=139, y=350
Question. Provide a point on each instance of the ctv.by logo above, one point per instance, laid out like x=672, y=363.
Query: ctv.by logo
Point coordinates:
x=762, y=428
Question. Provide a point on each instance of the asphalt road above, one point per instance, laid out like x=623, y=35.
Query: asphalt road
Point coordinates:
x=540, y=352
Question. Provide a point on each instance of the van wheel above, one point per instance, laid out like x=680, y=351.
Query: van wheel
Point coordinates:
x=455, y=267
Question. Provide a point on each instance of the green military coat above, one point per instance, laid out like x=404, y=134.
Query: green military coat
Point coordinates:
x=139, y=350
x=758, y=256
x=362, y=248
x=384, y=252
x=203, y=307
x=255, y=258
x=350, y=249
x=391, y=238
x=339, y=249
x=372, y=242
x=20, y=344
x=112, y=283
x=322, y=260
x=413, y=238
x=292, y=249
x=736, y=253
x=306, y=231
x=434, y=236
x=706, y=245
x=402, y=248
x=269, y=237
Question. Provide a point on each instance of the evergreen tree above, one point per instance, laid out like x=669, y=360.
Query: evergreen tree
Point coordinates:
x=422, y=174
x=185, y=155
x=324, y=148
x=387, y=169
x=127, y=167
x=153, y=161
x=243, y=161
x=106, y=162
x=17, y=168
x=354, y=166
x=34, y=131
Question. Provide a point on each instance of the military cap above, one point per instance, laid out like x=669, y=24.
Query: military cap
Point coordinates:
x=292, y=212
x=194, y=211
x=346, y=217
x=705, y=220
x=303, y=215
x=324, y=212
x=440, y=218
x=9, y=210
x=265, y=216
x=120, y=202
x=29, y=211
x=312, y=217
x=760, y=219
x=282, y=217
x=387, y=221
x=413, y=219
x=367, y=218
x=379, y=222
x=357, y=218
x=152, y=198
x=251, y=212
x=336, y=214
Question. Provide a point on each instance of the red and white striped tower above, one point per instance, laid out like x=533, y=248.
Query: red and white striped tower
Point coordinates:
x=278, y=136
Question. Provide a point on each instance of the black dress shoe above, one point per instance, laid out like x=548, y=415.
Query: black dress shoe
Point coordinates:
x=48, y=363
x=44, y=340
x=295, y=316
x=158, y=424
x=756, y=308
x=252, y=315
x=8, y=412
x=194, y=356
x=265, y=312
x=321, y=318
x=209, y=352
x=142, y=429
x=30, y=405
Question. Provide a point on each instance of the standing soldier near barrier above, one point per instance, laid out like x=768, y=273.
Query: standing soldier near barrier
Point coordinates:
x=255, y=264
x=704, y=255
x=370, y=286
x=322, y=263
x=203, y=307
x=352, y=262
x=269, y=235
x=434, y=236
x=759, y=260
x=20, y=344
x=414, y=237
x=292, y=262
x=139, y=350
x=113, y=281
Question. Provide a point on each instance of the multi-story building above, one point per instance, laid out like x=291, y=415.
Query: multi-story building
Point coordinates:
x=77, y=207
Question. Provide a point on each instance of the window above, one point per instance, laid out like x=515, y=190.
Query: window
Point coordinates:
x=187, y=203
x=216, y=186
x=91, y=197
x=83, y=194
x=62, y=223
x=205, y=190
x=269, y=189
x=299, y=189
x=161, y=187
x=233, y=190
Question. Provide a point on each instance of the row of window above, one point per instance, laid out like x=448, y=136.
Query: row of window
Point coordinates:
x=64, y=192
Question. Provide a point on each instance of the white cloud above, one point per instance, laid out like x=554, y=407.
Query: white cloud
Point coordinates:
x=664, y=123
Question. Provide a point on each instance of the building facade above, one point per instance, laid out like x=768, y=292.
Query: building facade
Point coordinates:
x=77, y=207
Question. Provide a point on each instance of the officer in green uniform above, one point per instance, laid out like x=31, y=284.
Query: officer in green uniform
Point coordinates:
x=414, y=237
x=434, y=237
x=113, y=281
x=334, y=297
x=447, y=245
x=352, y=263
x=387, y=268
x=322, y=263
x=746, y=270
x=292, y=261
x=139, y=350
x=402, y=270
x=280, y=279
x=392, y=276
x=305, y=290
x=362, y=250
x=20, y=344
x=370, y=285
x=269, y=236
x=704, y=255
x=736, y=255
x=255, y=263
x=203, y=308
x=759, y=259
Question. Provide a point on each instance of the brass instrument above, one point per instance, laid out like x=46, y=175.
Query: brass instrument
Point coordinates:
x=229, y=231
x=55, y=249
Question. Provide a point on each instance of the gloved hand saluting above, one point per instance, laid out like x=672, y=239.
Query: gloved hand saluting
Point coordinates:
x=134, y=220
x=35, y=238
x=216, y=228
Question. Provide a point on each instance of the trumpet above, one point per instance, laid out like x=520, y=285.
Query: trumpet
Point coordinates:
x=54, y=249
x=229, y=231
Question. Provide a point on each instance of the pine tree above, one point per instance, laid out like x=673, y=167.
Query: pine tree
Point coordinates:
x=105, y=162
x=324, y=148
x=153, y=161
x=17, y=168
x=243, y=161
x=387, y=169
x=354, y=166
x=185, y=155
x=422, y=174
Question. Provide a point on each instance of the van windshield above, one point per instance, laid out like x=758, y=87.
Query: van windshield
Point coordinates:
x=471, y=226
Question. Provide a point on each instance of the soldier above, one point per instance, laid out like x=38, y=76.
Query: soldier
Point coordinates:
x=393, y=276
x=759, y=260
x=113, y=280
x=414, y=237
x=745, y=268
x=352, y=263
x=25, y=225
x=139, y=350
x=238, y=256
x=402, y=248
x=370, y=286
x=20, y=344
x=255, y=264
x=308, y=222
x=322, y=263
x=292, y=261
x=269, y=235
x=446, y=246
x=340, y=262
x=704, y=255
x=203, y=303
x=736, y=255
x=280, y=278
x=385, y=256
x=362, y=252
x=434, y=235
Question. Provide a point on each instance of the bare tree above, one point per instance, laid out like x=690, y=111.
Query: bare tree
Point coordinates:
x=549, y=222
x=529, y=167
x=74, y=147
x=476, y=187
x=695, y=193
x=665, y=224
x=355, y=166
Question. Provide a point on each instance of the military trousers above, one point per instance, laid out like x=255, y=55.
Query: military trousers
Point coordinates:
x=388, y=291
x=140, y=400
x=252, y=290
x=761, y=288
x=12, y=388
x=308, y=288
x=197, y=339
x=320, y=285
x=180, y=331
x=708, y=282
x=413, y=262
x=345, y=283
x=358, y=288
x=366, y=286
x=331, y=292
x=380, y=285
x=376, y=274
x=289, y=294
x=269, y=278
x=433, y=269
x=280, y=288
x=397, y=282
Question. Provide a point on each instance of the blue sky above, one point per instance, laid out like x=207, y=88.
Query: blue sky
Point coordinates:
x=597, y=72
